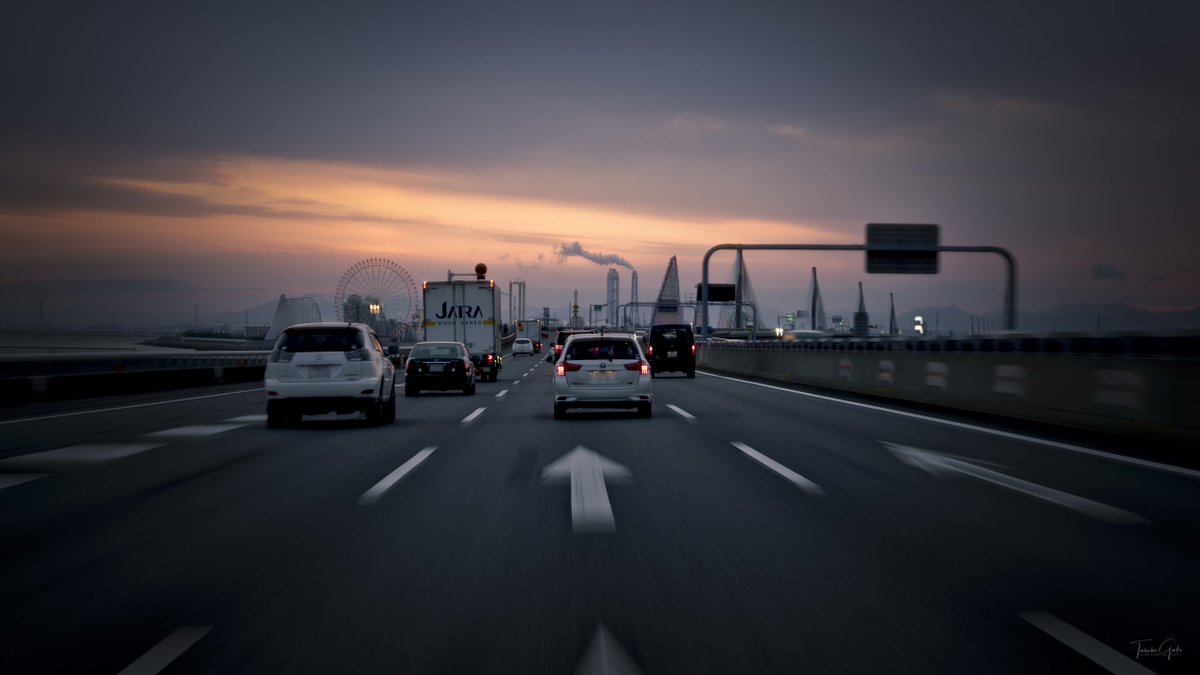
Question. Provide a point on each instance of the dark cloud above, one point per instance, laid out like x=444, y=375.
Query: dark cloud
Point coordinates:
x=1106, y=271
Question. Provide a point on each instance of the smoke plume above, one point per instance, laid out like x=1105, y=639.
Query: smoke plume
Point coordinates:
x=564, y=251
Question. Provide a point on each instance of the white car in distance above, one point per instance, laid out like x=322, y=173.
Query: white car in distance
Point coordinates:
x=522, y=346
x=602, y=370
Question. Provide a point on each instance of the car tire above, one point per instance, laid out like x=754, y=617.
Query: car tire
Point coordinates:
x=411, y=391
x=469, y=390
x=276, y=419
x=644, y=410
x=560, y=411
x=691, y=372
x=389, y=408
x=291, y=416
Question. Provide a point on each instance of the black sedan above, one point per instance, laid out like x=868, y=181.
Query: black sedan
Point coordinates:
x=439, y=366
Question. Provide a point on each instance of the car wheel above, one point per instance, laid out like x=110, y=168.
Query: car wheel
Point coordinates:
x=410, y=390
x=275, y=415
x=644, y=410
x=692, y=372
x=560, y=411
x=291, y=417
x=389, y=408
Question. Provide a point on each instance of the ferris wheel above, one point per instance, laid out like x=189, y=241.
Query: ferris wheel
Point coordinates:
x=379, y=293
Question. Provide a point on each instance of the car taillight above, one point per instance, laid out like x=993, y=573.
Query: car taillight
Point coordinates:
x=466, y=364
x=566, y=367
x=411, y=368
x=639, y=365
x=280, y=356
x=360, y=354
x=693, y=349
x=489, y=358
x=651, y=351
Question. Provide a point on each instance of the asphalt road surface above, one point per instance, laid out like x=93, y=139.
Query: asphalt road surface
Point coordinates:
x=745, y=528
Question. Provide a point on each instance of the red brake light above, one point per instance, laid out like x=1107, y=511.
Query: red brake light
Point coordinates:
x=639, y=365
x=566, y=367
x=651, y=352
x=693, y=349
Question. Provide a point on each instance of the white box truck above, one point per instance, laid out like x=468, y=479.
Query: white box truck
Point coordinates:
x=468, y=312
x=532, y=329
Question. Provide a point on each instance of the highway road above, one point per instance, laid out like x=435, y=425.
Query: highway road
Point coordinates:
x=745, y=528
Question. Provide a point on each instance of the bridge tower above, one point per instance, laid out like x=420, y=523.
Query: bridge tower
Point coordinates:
x=666, y=307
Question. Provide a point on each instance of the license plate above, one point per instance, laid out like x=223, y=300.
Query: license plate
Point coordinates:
x=672, y=355
x=438, y=366
x=603, y=374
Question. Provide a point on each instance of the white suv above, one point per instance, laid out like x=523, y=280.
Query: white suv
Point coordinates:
x=522, y=346
x=599, y=370
x=337, y=367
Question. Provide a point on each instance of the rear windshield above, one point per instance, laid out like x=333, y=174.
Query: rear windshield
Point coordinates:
x=587, y=350
x=671, y=334
x=436, y=352
x=320, y=340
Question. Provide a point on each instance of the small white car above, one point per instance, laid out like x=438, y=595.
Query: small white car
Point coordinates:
x=326, y=367
x=522, y=346
x=602, y=370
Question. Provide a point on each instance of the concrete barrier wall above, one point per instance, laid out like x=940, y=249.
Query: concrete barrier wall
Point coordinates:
x=1144, y=396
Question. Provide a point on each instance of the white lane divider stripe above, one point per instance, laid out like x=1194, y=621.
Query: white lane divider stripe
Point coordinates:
x=471, y=418
x=379, y=489
x=1099, y=653
x=682, y=413
x=1145, y=463
x=77, y=455
x=8, y=480
x=787, y=474
x=248, y=418
x=502, y=393
x=195, y=431
x=162, y=654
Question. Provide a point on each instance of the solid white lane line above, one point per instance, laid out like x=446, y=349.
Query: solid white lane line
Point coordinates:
x=1099, y=653
x=8, y=480
x=379, y=489
x=248, y=418
x=1147, y=464
x=1087, y=507
x=126, y=407
x=471, y=418
x=502, y=393
x=89, y=453
x=682, y=413
x=162, y=654
x=789, y=475
x=195, y=431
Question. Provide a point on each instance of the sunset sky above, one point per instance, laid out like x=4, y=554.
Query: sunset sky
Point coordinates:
x=161, y=156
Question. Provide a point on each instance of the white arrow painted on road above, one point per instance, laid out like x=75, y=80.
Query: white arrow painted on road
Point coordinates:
x=590, y=509
x=604, y=656
x=941, y=465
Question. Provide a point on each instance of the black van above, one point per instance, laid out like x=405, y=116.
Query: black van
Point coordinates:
x=672, y=347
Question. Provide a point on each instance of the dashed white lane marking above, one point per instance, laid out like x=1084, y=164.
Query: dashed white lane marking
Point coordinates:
x=78, y=455
x=471, y=418
x=8, y=480
x=195, y=431
x=1099, y=653
x=524, y=374
x=789, y=475
x=502, y=393
x=1167, y=468
x=379, y=489
x=516, y=382
x=682, y=413
x=248, y=418
x=126, y=407
x=162, y=654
